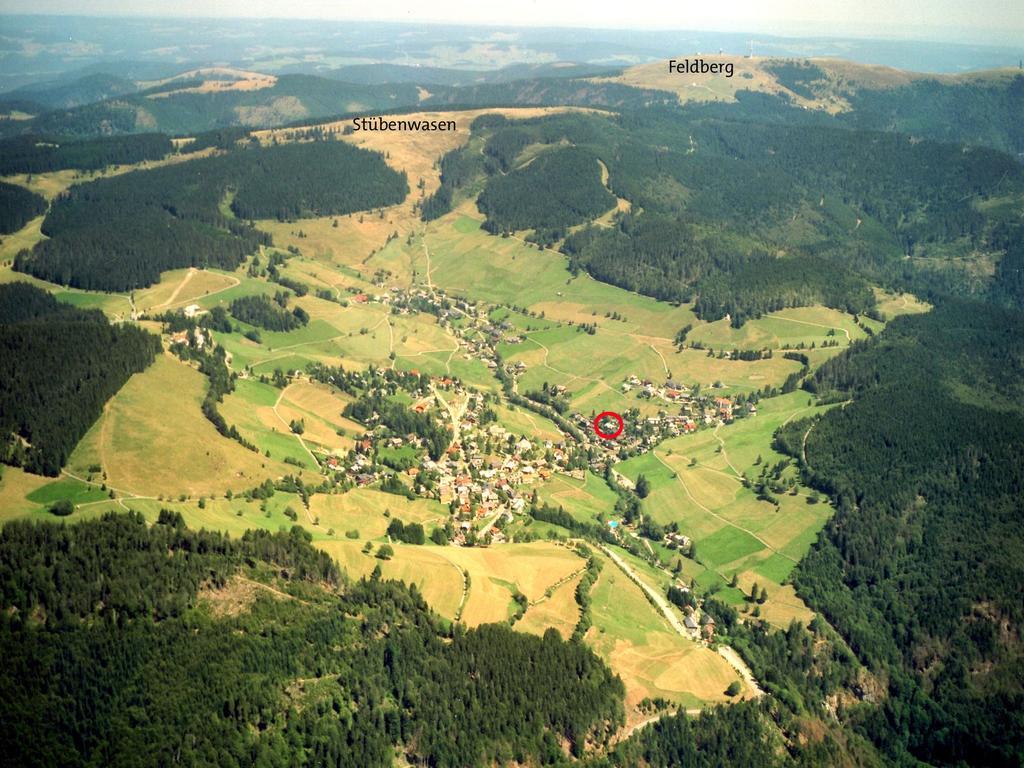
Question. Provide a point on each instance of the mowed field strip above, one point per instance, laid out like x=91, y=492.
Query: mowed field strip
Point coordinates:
x=696, y=483
x=153, y=439
x=651, y=657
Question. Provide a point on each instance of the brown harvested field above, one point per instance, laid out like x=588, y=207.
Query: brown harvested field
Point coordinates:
x=315, y=430
x=180, y=287
x=438, y=580
x=532, y=568
x=651, y=658
x=325, y=404
x=559, y=611
x=782, y=606
x=350, y=244
x=153, y=439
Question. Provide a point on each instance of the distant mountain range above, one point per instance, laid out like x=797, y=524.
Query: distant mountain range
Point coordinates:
x=39, y=49
x=210, y=98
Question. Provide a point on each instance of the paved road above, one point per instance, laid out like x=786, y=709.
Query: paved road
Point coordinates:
x=734, y=659
x=724, y=651
x=656, y=597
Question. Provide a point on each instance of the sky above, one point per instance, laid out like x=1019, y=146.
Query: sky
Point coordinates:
x=979, y=21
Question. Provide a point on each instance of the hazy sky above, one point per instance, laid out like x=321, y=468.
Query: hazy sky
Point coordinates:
x=996, y=21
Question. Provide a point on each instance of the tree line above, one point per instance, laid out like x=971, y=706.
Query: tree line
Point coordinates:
x=112, y=654
x=119, y=233
x=58, y=366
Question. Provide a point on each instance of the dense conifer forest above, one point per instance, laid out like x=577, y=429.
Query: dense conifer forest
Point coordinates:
x=40, y=154
x=112, y=655
x=18, y=206
x=119, y=233
x=558, y=189
x=920, y=569
x=58, y=366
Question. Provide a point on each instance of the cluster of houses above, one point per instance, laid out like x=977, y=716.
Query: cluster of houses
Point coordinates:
x=694, y=408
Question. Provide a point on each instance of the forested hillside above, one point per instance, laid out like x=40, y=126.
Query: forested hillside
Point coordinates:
x=58, y=366
x=120, y=233
x=556, y=190
x=985, y=112
x=18, y=206
x=920, y=569
x=39, y=154
x=746, y=218
x=138, y=667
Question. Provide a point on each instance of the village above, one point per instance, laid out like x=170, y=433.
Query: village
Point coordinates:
x=487, y=476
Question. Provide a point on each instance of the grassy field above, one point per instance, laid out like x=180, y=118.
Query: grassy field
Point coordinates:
x=892, y=305
x=735, y=533
x=263, y=414
x=250, y=408
x=363, y=510
x=23, y=494
x=520, y=421
x=153, y=439
x=180, y=287
x=787, y=327
x=583, y=499
x=559, y=611
x=652, y=659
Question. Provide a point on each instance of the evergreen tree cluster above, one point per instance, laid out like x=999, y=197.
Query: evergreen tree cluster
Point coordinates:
x=58, y=366
x=112, y=655
x=119, y=233
x=32, y=153
x=560, y=188
x=18, y=206
x=261, y=311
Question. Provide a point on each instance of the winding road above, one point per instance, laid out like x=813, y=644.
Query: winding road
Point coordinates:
x=724, y=651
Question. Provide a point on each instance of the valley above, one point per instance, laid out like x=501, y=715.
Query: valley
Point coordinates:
x=385, y=346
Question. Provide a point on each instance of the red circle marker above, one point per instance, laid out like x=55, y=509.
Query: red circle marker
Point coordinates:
x=608, y=415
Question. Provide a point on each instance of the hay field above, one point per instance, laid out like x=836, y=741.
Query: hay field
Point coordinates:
x=641, y=647
x=560, y=611
x=532, y=568
x=734, y=531
x=153, y=439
